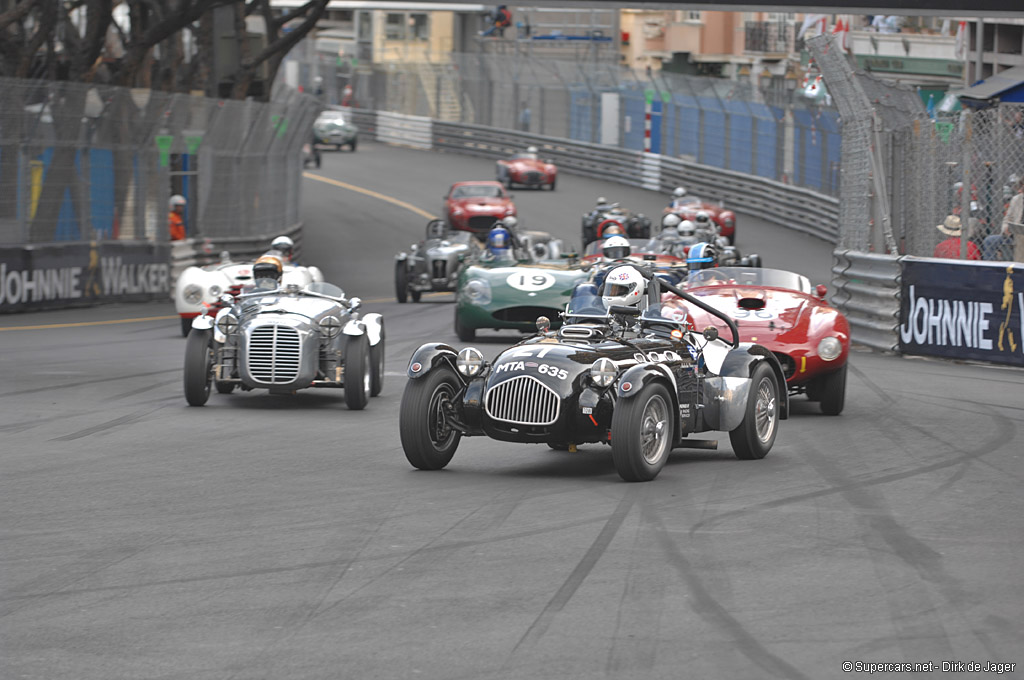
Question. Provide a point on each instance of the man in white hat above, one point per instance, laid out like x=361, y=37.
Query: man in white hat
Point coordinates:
x=950, y=248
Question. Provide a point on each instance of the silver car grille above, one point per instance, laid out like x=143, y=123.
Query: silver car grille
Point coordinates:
x=274, y=354
x=523, y=400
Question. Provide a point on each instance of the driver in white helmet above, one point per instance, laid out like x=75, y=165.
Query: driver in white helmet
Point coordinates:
x=679, y=198
x=625, y=287
x=283, y=247
x=615, y=248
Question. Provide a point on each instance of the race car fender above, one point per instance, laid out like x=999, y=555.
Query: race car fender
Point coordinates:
x=374, y=325
x=428, y=356
x=725, y=396
x=637, y=377
x=202, y=323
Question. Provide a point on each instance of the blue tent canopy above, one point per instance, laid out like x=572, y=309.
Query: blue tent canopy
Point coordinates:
x=1005, y=86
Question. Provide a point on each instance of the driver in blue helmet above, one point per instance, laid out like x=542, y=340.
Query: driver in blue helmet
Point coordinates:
x=701, y=256
x=499, y=244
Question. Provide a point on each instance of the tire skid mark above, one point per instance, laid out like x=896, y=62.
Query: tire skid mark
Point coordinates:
x=546, y=617
x=297, y=620
x=633, y=647
x=708, y=608
x=440, y=548
x=913, y=613
x=147, y=388
x=88, y=565
x=1002, y=434
x=82, y=383
x=110, y=424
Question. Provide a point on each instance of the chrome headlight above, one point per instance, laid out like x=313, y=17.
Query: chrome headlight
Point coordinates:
x=331, y=326
x=603, y=372
x=215, y=291
x=193, y=294
x=830, y=348
x=470, y=362
x=227, y=323
x=478, y=292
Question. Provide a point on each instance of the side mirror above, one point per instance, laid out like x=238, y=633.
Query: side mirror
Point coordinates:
x=543, y=324
x=710, y=333
x=821, y=290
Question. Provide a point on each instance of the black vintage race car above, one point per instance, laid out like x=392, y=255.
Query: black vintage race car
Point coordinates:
x=596, y=223
x=641, y=380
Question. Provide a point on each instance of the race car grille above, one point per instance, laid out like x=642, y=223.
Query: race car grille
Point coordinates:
x=525, y=314
x=523, y=400
x=788, y=365
x=273, y=354
x=482, y=222
x=533, y=177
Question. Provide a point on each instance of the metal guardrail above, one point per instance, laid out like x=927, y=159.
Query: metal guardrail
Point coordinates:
x=867, y=290
x=796, y=208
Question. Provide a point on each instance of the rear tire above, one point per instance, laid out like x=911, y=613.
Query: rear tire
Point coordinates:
x=832, y=392
x=401, y=282
x=357, y=372
x=428, y=438
x=377, y=364
x=465, y=334
x=643, y=434
x=198, y=367
x=754, y=437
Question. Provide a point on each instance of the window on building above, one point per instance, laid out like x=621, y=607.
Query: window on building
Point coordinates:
x=365, y=27
x=394, y=26
x=784, y=17
x=419, y=27
x=694, y=16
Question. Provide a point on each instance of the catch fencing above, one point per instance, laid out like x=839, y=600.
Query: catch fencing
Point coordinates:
x=82, y=162
x=904, y=167
x=729, y=124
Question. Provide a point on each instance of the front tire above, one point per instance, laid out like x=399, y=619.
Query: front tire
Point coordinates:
x=186, y=326
x=465, y=334
x=642, y=434
x=352, y=146
x=428, y=438
x=377, y=364
x=198, y=367
x=832, y=392
x=551, y=187
x=401, y=282
x=357, y=372
x=754, y=437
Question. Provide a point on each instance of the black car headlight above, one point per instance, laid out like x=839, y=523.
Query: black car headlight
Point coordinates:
x=603, y=372
x=470, y=362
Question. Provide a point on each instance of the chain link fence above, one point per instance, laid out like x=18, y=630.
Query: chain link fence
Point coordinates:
x=80, y=162
x=778, y=134
x=904, y=169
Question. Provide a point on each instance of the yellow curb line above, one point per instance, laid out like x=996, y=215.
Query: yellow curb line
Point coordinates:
x=369, y=192
x=87, y=323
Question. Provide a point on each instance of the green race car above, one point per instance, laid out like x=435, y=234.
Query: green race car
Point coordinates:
x=511, y=294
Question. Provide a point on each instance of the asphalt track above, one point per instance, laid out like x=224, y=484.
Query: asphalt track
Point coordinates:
x=287, y=537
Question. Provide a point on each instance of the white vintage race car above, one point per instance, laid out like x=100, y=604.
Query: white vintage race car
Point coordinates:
x=201, y=288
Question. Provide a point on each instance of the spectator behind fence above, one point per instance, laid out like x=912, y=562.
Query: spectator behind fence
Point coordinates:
x=950, y=248
x=176, y=217
x=1000, y=246
x=502, y=19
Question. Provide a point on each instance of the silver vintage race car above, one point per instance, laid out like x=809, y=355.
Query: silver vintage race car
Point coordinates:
x=433, y=264
x=287, y=339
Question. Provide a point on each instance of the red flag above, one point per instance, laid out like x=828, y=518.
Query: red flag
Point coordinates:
x=961, y=41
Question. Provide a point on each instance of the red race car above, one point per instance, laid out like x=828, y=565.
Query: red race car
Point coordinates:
x=528, y=170
x=476, y=206
x=780, y=310
x=691, y=207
